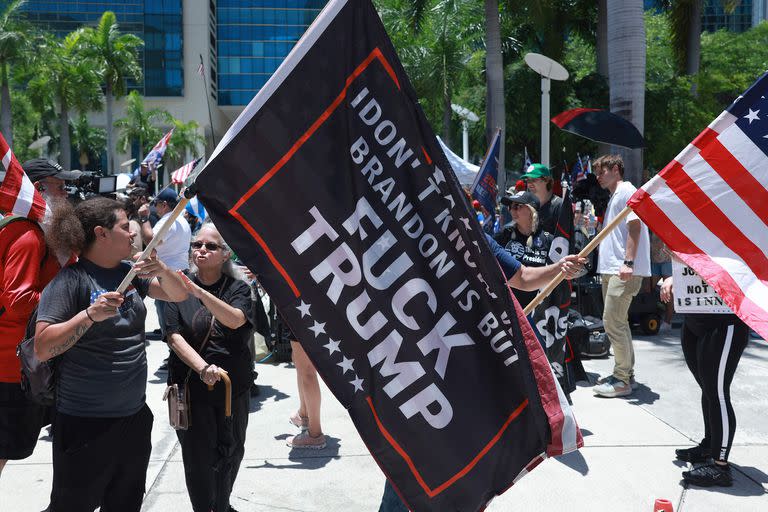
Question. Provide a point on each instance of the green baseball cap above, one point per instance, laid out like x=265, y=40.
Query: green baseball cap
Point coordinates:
x=536, y=171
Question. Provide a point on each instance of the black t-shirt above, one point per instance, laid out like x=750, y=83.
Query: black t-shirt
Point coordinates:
x=227, y=348
x=104, y=374
x=549, y=214
x=530, y=254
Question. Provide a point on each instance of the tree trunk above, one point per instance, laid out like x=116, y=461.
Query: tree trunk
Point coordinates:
x=601, y=50
x=65, y=145
x=446, y=109
x=494, y=71
x=693, y=44
x=110, y=141
x=601, y=45
x=5, y=106
x=626, y=66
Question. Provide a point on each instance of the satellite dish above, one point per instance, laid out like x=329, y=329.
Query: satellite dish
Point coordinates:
x=127, y=162
x=465, y=113
x=546, y=67
x=40, y=143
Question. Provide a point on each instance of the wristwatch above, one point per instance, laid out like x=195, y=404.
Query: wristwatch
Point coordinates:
x=629, y=263
x=142, y=220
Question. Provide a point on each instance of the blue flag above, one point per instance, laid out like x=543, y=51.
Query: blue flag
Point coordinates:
x=484, y=187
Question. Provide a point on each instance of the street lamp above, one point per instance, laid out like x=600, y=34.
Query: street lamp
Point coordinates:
x=40, y=144
x=549, y=70
x=467, y=116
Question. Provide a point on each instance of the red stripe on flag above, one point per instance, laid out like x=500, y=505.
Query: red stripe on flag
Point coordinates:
x=705, y=266
x=743, y=183
x=11, y=188
x=716, y=221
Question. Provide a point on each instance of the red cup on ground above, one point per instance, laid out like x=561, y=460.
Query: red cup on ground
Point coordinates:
x=662, y=505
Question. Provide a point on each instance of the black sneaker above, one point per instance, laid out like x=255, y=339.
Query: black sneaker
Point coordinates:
x=693, y=454
x=709, y=475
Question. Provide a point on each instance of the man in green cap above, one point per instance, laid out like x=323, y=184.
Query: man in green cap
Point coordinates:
x=539, y=180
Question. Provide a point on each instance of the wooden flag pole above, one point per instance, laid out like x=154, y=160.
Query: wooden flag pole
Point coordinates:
x=157, y=238
x=583, y=254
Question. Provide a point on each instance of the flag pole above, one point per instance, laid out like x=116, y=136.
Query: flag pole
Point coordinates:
x=208, y=102
x=544, y=292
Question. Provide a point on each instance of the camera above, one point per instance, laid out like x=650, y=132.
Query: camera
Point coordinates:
x=92, y=184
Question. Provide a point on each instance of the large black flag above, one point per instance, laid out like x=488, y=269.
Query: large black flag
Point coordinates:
x=332, y=188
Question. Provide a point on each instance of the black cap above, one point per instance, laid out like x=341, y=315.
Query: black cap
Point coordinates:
x=523, y=197
x=39, y=168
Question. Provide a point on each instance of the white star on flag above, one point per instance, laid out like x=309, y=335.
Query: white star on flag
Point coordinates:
x=752, y=115
x=304, y=308
x=332, y=346
x=346, y=364
x=318, y=328
x=358, y=383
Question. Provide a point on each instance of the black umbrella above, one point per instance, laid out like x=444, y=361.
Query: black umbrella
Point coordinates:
x=600, y=126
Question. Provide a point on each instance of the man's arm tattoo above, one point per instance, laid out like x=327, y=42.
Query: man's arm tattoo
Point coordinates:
x=60, y=349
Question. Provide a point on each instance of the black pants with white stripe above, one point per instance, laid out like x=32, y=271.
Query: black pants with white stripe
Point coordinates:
x=712, y=345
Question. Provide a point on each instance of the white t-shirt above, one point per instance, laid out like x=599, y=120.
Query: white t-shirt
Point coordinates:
x=174, y=249
x=612, y=251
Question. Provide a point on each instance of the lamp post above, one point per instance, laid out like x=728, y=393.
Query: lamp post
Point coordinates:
x=549, y=70
x=466, y=116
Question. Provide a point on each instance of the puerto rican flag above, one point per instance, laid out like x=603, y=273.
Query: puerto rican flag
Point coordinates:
x=181, y=174
x=710, y=205
x=17, y=194
x=153, y=157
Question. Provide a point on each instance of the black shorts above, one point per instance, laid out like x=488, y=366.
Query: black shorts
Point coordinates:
x=20, y=422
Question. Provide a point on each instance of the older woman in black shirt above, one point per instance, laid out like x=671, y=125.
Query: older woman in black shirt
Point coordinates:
x=212, y=448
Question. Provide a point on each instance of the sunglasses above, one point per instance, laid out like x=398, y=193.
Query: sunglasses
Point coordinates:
x=208, y=245
x=515, y=206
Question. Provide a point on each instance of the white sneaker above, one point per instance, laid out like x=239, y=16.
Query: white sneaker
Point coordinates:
x=665, y=328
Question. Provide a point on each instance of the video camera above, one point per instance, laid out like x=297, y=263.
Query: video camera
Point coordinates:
x=92, y=184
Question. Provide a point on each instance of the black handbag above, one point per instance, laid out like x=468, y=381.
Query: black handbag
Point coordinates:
x=38, y=378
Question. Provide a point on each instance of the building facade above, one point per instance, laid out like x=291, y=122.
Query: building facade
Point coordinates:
x=239, y=42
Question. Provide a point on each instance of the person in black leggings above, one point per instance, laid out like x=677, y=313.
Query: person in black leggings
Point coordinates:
x=712, y=345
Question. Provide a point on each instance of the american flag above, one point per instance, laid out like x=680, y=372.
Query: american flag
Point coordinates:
x=154, y=156
x=180, y=175
x=17, y=193
x=579, y=171
x=710, y=205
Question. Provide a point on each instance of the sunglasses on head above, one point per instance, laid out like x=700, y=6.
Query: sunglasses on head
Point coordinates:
x=208, y=245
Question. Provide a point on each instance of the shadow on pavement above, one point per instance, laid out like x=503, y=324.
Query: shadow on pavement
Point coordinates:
x=575, y=461
x=265, y=393
x=305, y=458
x=742, y=485
x=643, y=395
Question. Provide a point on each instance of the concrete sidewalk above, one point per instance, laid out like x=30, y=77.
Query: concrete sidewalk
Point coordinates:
x=627, y=462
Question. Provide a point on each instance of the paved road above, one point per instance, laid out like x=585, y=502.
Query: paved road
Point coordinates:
x=627, y=462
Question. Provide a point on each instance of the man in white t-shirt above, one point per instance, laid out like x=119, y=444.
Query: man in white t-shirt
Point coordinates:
x=623, y=261
x=174, y=249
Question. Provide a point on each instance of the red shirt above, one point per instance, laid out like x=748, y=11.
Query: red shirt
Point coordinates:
x=22, y=279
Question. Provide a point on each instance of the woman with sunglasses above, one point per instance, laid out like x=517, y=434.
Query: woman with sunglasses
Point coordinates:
x=527, y=240
x=209, y=335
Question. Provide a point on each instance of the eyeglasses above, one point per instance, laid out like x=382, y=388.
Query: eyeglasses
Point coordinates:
x=208, y=245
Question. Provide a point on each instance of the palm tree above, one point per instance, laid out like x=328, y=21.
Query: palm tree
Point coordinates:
x=116, y=57
x=69, y=80
x=685, y=18
x=87, y=140
x=434, y=46
x=494, y=113
x=186, y=141
x=137, y=125
x=626, y=73
x=14, y=41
